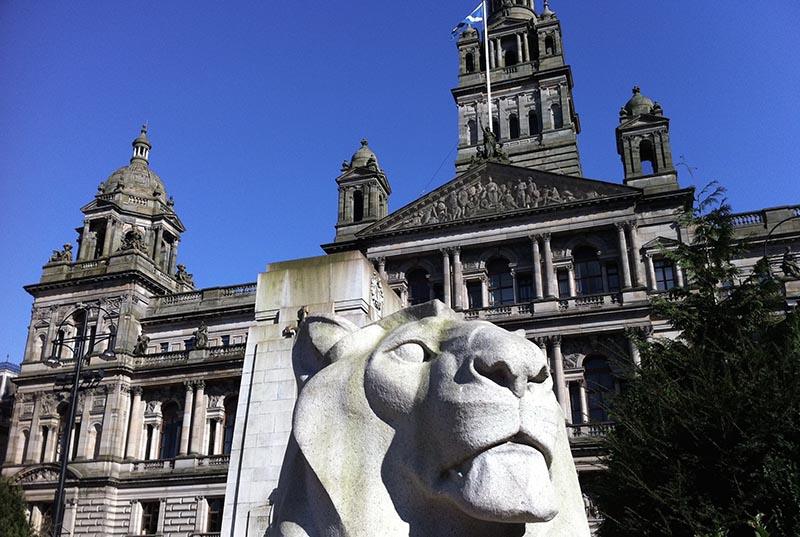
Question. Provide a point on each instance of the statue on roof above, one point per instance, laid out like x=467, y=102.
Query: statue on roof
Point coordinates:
x=789, y=264
x=490, y=149
x=62, y=256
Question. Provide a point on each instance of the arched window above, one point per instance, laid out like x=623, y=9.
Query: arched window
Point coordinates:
x=501, y=285
x=230, y=420
x=171, y=422
x=23, y=453
x=558, y=117
x=472, y=129
x=60, y=343
x=600, y=386
x=40, y=347
x=97, y=435
x=588, y=273
x=419, y=289
x=45, y=435
x=358, y=206
x=470, y=63
x=549, y=45
x=647, y=157
x=496, y=127
x=533, y=122
x=510, y=57
x=513, y=126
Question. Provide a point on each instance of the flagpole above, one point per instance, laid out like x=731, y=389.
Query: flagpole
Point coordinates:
x=488, y=64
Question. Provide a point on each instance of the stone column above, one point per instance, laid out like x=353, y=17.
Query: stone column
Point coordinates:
x=446, y=276
x=114, y=433
x=526, y=53
x=566, y=114
x=157, y=245
x=501, y=61
x=548, y=267
x=173, y=258
x=52, y=445
x=637, y=253
x=458, y=279
x=651, y=272
x=342, y=194
x=623, y=255
x=136, y=423
x=558, y=373
x=571, y=279
x=219, y=434
x=381, y=266
x=187, y=418
x=679, y=275
x=584, y=401
x=519, y=49
x=514, y=284
x=155, y=443
x=86, y=427
x=108, y=240
x=373, y=199
x=635, y=356
x=34, y=436
x=485, y=291
x=82, y=255
x=199, y=418
x=537, y=268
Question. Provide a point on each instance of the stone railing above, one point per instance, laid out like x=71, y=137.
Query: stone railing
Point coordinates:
x=205, y=534
x=499, y=312
x=597, y=429
x=170, y=357
x=229, y=351
x=154, y=465
x=590, y=301
x=214, y=460
x=225, y=294
x=747, y=219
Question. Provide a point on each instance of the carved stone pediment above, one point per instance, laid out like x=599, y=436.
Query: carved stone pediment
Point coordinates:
x=643, y=122
x=496, y=190
x=45, y=473
x=659, y=243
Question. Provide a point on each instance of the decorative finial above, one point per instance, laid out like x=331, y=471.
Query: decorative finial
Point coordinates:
x=141, y=147
x=364, y=142
x=546, y=10
x=635, y=90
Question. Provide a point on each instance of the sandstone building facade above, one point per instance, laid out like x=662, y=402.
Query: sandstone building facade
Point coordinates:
x=522, y=240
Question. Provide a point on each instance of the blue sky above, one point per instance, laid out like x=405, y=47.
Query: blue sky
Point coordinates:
x=252, y=107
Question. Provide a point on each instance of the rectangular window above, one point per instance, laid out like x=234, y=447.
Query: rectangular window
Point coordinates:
x=665, y=274
x=188, y=344
x=214, y=519
x=563, y=283
x=165, y=346
x=226, y=340
x=150, y=518
x=524, y=287
x=475, y=294
x=575, y=402
x=612, y=275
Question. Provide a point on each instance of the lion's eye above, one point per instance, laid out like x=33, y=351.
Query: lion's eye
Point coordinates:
x=411, y=352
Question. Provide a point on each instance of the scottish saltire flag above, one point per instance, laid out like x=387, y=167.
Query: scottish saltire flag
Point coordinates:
x=474, y=17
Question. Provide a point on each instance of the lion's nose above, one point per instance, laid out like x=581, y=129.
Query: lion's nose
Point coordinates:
x=512, y=370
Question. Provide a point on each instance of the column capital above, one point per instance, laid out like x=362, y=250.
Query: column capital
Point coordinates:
x=200, y=384
x=379, y=259
x=631, y=224
x=446, y=251
x=541, y=340
x=189, y=385
x=137, y=390
x=545, y=236
x=620, y=225
x=555, y=339
x=569, y=267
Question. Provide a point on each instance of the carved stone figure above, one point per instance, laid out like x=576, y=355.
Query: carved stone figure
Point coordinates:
x=422, y=424
x=201, y=336
x=133, y=240
x=789, y=264
x=63, y=256
x=140, y=349
x=182, y=276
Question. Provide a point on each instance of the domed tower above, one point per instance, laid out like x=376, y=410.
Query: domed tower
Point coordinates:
x=126, y=254
x=363, y=193
x=533, y=112
x=132, y=213
x=643, y=143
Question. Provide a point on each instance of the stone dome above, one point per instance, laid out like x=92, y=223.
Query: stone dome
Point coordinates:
x=363, y=157
x=638, y=104
x=137, y=178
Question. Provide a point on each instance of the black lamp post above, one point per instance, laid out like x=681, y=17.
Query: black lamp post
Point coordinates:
x=77, y=344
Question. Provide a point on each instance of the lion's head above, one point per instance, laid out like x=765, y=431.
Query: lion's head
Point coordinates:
x=425, y=425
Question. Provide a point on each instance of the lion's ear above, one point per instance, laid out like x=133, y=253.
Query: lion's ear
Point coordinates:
x=317, y=335
x=521, y=333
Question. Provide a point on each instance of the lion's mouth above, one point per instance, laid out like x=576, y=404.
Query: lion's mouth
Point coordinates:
x=521, y=442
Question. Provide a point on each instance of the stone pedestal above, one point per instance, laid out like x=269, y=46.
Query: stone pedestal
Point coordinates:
x=346, y=284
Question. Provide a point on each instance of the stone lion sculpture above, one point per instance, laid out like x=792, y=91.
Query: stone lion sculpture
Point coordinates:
x=424, y=425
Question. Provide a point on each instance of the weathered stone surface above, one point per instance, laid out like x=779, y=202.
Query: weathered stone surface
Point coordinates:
x=422, y=424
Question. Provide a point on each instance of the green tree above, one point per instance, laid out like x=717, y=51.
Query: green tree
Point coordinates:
x=13, y=520
x=708, y=427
